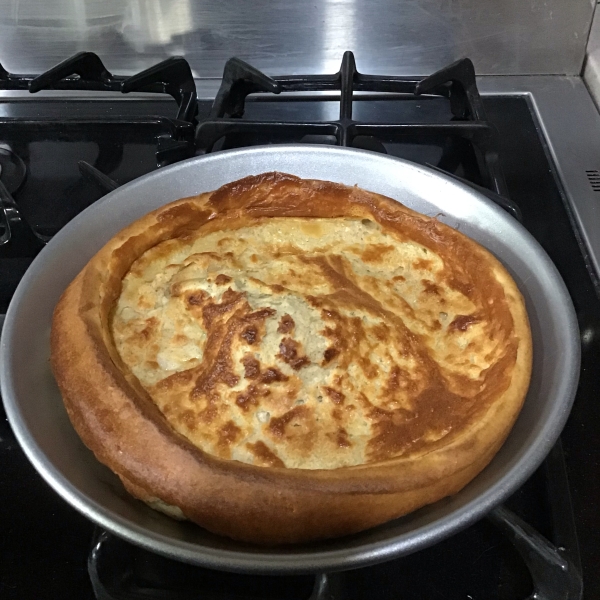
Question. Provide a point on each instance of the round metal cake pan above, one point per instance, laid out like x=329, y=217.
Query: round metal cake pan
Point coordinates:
x=39, y=420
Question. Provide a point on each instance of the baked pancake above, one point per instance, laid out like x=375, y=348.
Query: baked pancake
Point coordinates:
x=284, y=360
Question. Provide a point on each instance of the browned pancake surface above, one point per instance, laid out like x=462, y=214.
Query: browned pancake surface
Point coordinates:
x=317, y=343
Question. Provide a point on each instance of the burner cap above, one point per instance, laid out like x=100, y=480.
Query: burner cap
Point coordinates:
x=12, y=170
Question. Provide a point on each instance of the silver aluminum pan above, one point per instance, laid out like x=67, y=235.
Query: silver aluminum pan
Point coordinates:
x=37, y=415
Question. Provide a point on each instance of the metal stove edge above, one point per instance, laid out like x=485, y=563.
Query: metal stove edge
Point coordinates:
x=570, y=126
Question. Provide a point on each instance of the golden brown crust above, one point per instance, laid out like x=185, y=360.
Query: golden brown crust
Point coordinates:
x=117, y=418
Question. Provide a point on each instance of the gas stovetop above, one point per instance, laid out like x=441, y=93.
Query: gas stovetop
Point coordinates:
x=532, y=144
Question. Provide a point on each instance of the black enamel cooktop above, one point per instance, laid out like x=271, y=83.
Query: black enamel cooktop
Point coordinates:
x=48, y=550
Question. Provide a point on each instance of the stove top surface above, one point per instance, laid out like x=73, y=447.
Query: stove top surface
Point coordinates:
x=45, y=545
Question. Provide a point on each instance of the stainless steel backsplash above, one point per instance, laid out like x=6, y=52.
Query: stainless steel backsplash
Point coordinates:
x=409, y=37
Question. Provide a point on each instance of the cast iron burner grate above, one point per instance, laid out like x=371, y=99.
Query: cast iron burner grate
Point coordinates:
x=86, y=72
x=469, y=135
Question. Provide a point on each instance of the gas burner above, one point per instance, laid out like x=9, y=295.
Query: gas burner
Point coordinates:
x=12, y=170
